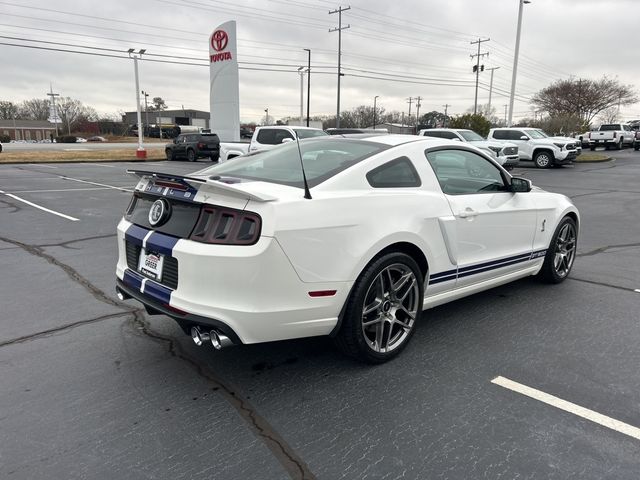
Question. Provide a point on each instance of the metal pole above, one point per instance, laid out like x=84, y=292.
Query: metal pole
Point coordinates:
x=339, y=29
x=374, y=111
x=308, y=82
x=140, y=142
x=55, y=111
x=301, y=72
x=515, y=61
x=491, y=89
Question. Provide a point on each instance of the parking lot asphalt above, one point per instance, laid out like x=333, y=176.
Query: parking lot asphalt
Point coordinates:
x=94, y=388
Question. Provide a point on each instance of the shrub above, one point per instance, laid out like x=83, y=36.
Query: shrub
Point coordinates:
x=5, y=138
x=66, y=139
x=477, y=123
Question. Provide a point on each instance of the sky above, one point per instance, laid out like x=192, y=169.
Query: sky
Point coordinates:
x=393, y=49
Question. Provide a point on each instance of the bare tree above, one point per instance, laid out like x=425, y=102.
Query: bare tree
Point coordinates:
x=609, y=115
x=157, y=105
x=72, y=112
x=8, y=110
x=34, y=109
x=583, y=98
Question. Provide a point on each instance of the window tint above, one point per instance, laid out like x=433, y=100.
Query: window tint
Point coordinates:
x=429, y=133
x=323, y=158
x=461, y=172
x=515, y=134
x=396, y=173
x=500, y=134
x=273, y=136
x=303, y=133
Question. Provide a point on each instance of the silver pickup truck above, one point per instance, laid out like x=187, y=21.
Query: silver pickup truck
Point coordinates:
x=609, y=135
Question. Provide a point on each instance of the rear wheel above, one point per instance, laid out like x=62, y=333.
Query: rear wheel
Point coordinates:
x=543, y=159
x=592, y=148
x=191, y=155
x=382, y=310
x=561, y=253
x=636, y=146
x=620, y=144
x=169, y=154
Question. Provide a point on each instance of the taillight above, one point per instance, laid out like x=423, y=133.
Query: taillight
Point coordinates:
x=202, y=145
x=227, y=226
x=615, y=134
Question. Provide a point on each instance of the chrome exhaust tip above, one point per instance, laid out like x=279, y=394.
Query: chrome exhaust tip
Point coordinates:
x=120, y=296
x=219, y=340
x=198, y=337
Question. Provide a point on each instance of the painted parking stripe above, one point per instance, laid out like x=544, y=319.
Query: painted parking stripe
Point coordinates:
x=61, y=190
x=122, y=189
x=570, y=407
x=15, y=197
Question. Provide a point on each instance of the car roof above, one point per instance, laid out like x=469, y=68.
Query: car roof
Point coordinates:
x=392, y=140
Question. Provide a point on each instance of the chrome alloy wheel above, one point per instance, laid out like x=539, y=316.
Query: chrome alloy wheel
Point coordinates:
x=565, y=250
x=390, y=308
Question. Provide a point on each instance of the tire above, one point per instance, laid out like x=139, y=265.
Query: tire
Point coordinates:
x=636, y=146
x=191, y=155
x=543, y=159
x=214, y=158
x=592, y=148
x=561, y=253
x=385, y=302
x=620, y=144
x=169, y=154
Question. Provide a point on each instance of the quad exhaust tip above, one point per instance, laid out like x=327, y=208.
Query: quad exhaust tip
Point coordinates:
x=217, y=339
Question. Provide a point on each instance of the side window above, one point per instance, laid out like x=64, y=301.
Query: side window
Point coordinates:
x=182, y=139
x=500, y=134
x=281, y=135
x=626, y=127
x=266, y=136
x=394, y=174
x=461, y=172
x=432, y=134
x=515, y=135
x=449, y=135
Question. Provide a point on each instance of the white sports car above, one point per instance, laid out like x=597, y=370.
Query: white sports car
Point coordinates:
x=374, y=230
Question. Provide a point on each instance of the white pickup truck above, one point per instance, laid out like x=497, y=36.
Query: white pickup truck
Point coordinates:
x=609, y=135
x=266, y=138
x=534, y=144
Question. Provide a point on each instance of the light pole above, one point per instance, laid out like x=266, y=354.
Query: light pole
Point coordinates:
x=301, y=72
x=141, y=152
x=375, y=111
x=308, y=81
x=515, y=61
x=146, y=111
x=266, y=118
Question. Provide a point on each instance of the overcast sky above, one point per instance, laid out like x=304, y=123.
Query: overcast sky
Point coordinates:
x=408, y=46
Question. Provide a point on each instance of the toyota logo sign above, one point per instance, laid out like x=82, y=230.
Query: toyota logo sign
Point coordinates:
x=219, y=40
x=159, y=212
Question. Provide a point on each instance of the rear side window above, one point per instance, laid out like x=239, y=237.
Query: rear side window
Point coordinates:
x=273, y=136
x=500, y=134
x=394, y=174
x=432, y=134
x=515, y=135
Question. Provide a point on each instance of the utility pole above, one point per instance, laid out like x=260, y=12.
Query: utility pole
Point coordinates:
x=146, y=111
x=301, y=72
x=339, y=30
x=491, y=88
x=514, y=71
x=476, y=68
x=446, y=117
x=141, y=152
x=418, y=109
x=266, y=119
x=308, y=81
x=505, y=114
x=409, y=101
x=375, y=111
x=55, y=111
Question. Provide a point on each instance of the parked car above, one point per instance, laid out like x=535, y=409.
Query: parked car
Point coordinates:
x=506, y=154
x=266, y=138
x=609, y=135
x=383, y=227
x=193, y=146
x=636, y=141
x=96, y=139
x=0, y=147
x=83, y=140
x=535, y=145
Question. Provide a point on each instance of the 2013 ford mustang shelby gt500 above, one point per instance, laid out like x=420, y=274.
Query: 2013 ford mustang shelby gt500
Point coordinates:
x=376, y=230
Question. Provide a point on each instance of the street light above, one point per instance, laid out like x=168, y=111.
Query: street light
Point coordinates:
x=146, y=111
x=266, y=118
x=374, y=110
x=515, y=61
x=301, y=72
x=308, y=81
x=141, y=152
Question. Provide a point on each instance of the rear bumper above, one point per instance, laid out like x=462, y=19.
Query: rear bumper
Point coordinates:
x=252, y=291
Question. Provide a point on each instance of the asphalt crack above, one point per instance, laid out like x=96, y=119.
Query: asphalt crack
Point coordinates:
x=77, y=240
x=286, y=456
x=62, y=328
x=603, y=284
x=599, y=250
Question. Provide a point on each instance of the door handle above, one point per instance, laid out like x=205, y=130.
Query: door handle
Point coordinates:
x=468, y=213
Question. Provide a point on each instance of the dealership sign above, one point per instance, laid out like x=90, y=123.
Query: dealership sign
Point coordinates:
x=224, y=90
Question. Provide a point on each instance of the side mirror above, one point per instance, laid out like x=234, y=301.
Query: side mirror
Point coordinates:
x=287, y=140
x=520, y=184
x=175, y=140
x=524, y=137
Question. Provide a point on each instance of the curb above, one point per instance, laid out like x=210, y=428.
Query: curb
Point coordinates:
x=606, y=159
x=81, y=160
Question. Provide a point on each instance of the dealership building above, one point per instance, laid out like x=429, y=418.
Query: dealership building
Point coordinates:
x=197, y=118
x=27, y=129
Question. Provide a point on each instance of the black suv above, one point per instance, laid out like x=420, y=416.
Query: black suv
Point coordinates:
x=193, y=146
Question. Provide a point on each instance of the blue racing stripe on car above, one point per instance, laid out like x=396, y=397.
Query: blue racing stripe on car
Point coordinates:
x=158, y=292
x=132, y=279
x=443, y=274
x=538, y=253
x=161, y=243
x=433, y=281
x=135, y=234
x=493, y=267
x=523, y=256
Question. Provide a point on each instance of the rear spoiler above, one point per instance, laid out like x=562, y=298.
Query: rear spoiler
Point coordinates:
x=207, y=184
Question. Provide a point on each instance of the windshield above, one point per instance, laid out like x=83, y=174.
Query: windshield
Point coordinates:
x=303, y=133
x=536, y=133
x=470, y=136
x=322, y=158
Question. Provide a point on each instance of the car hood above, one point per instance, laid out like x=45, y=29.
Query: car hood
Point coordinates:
x=491, y=143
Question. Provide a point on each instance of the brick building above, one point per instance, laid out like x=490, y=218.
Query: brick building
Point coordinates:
x=27, y=129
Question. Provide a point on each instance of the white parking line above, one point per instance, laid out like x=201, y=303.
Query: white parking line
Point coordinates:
x=122, y=189
x=15, y=197
x=637, y=290
x=40, y=165
x=583, y=412
x=61, y=190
